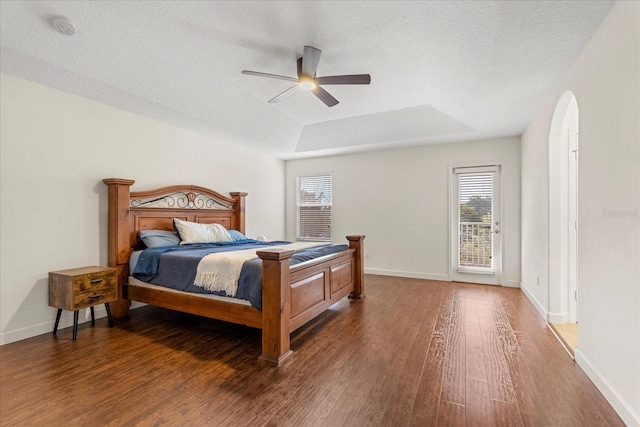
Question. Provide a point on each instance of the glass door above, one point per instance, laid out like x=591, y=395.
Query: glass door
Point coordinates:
x=475, y=235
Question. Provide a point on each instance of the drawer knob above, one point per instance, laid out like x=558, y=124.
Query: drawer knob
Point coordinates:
x=96, y=281
x=96, y=296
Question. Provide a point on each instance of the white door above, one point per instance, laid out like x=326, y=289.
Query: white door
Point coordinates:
x=476, y=254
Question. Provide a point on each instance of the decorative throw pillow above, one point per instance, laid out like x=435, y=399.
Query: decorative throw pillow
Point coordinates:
x=194, y=232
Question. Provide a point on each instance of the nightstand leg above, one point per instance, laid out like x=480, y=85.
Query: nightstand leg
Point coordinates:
x=93, y=318
x=55, y=328
x=106, y=306
x=75, y=324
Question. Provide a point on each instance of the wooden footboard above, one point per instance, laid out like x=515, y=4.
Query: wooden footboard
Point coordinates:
x=291, y=295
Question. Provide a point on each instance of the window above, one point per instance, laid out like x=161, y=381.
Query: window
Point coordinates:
x=475, y=218
x=313, y=207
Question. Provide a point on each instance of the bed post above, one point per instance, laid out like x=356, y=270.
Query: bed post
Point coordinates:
x=276, y=305
x=357, y=243
x=239, y=207
x=119, y=238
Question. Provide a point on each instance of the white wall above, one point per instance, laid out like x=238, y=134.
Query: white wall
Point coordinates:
x=399, y=199
x=55, y=150
x=605, y=80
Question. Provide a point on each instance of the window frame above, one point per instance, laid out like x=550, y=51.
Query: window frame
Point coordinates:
x=315, y=223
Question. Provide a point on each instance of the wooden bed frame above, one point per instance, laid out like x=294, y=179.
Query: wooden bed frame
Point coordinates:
x=291, y=295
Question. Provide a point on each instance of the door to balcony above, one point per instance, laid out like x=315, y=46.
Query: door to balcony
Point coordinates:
x=475, y=225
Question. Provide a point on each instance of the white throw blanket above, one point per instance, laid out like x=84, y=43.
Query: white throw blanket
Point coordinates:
x=220, y=271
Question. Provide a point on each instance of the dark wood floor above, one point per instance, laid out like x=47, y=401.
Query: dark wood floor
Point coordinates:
x=414, y=352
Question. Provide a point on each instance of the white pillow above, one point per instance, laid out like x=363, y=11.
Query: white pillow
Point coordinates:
x=220, y=234
x=194, y=232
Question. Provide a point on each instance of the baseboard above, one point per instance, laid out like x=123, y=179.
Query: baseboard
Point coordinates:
x=66, y=320
x=557, y=317
x=624, y=410
x=407, y=274
x=426, y=276
x=539, y=307
x=511, y=284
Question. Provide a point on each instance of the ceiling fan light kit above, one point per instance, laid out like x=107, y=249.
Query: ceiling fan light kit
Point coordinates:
x=307, y=79
x=306, y=82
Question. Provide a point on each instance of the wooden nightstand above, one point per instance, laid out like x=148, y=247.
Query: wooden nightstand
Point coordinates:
x=80, y=288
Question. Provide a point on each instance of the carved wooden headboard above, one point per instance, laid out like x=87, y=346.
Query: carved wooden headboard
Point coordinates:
x=130, y=212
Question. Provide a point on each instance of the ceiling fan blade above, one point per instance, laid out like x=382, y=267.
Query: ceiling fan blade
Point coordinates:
x=310, y=59
x=324, y=96
x=293, y=89
x=299, y=63
x=350, y=79
x=271, y=76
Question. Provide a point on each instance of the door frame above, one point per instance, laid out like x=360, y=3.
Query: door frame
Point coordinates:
x=572, y=239
x=477, y=277
x=561, y=293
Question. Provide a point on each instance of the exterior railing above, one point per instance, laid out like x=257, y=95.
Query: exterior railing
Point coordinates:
x=475, y=245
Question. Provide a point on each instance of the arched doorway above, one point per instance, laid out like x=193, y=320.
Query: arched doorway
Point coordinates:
x=563, y=219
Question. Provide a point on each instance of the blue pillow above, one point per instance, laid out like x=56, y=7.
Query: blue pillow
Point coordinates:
x=236, y=235
x=159, y=238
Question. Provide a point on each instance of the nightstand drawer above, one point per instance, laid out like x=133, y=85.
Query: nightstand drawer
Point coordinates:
x=94, y=281
x=94, y=295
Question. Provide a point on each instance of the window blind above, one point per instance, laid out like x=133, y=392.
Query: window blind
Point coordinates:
x=313, y=207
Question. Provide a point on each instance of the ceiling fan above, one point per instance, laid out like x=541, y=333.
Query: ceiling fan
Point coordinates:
x=307, y=79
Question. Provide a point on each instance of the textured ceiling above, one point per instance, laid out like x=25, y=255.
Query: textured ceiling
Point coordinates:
x=441, y=71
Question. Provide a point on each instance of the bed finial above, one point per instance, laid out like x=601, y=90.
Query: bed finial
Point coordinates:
x=357, y=243
x=239, y=196
x=119, y=239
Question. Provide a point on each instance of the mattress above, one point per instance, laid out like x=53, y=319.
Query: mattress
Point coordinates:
x=175, y=268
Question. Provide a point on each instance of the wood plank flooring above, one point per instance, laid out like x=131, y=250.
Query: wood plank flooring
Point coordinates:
x=567, y=333
x=413, y=353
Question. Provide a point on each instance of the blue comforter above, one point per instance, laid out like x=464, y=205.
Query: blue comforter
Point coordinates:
x=175, y=266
